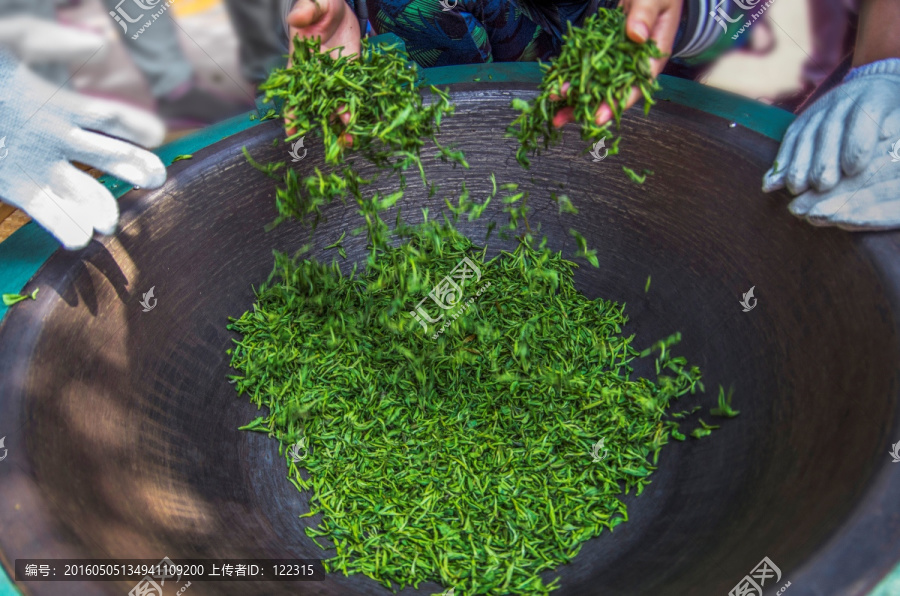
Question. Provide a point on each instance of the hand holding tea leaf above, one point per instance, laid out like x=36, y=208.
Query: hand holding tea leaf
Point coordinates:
x=332, y=21
x=336, y=26
x=599, y=65
x=655, y=20
x=378, y=101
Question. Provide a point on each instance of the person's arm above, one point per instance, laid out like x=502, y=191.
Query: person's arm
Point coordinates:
x=840, y=154
x=877, y=37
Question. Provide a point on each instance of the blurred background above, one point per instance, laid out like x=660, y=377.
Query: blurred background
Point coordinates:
x=204, y=63
x=204, y=35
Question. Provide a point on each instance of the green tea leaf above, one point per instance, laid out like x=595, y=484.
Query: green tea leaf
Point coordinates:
x=724, y=410
x=602, y=65
x=11, y=299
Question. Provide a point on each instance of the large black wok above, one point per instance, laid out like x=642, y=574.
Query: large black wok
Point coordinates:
x=122, y=428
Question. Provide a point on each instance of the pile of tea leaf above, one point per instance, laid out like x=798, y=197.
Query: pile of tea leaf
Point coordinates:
x=602, y=65
x=486, y=448
x=465, y=460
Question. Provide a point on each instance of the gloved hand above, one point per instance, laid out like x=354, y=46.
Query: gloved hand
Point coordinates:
x=837, y=153
x=868, y=201
x=45, y=128
x=37, y=41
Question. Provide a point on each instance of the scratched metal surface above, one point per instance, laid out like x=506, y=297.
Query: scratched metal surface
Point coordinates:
x=126, y=442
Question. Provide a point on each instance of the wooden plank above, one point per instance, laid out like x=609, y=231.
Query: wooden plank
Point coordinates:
x=6, y=211
x=11, y=219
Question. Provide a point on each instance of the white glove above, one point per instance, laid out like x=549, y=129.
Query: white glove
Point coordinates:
x=868, y=201
x=837, y=153
x=43, y=128
x=38, y=41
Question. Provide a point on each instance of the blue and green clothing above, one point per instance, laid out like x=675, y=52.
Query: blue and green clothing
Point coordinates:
x=450, y=32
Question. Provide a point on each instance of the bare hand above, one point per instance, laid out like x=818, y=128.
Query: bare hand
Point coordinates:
x=647, y=19
x=335, y=25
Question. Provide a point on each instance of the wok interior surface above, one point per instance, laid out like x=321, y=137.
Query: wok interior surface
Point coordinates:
x=125, y=440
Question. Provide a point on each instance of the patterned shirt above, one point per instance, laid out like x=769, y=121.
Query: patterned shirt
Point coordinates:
x=449, y=32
